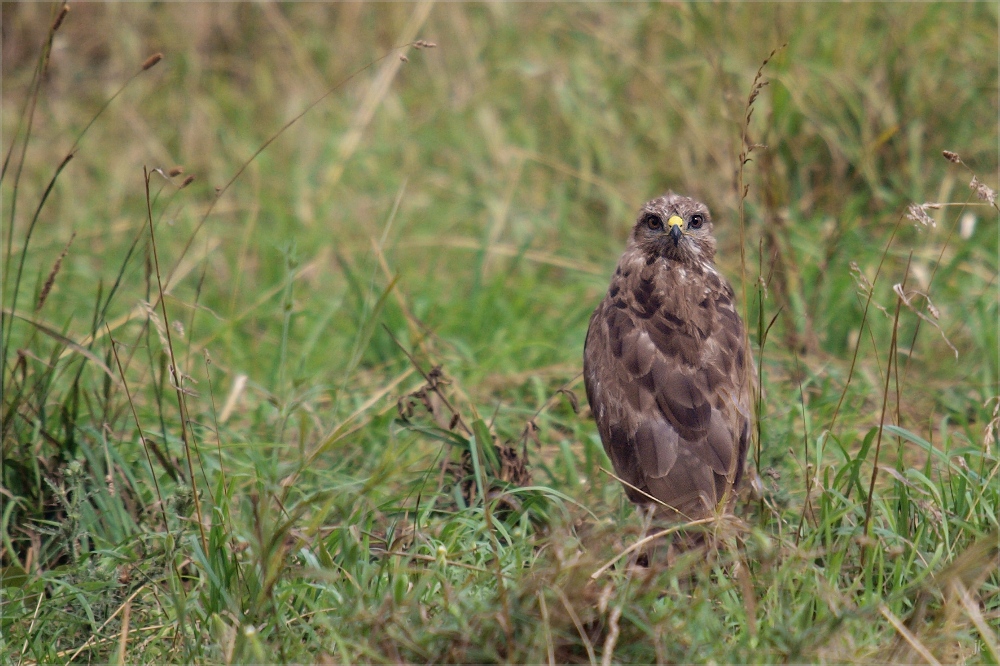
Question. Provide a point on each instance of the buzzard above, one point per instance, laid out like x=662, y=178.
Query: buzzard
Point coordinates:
x=667, y=366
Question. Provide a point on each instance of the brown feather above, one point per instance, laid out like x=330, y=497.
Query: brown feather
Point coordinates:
x=665, y=366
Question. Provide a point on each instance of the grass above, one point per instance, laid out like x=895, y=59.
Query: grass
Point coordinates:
x=376, y=447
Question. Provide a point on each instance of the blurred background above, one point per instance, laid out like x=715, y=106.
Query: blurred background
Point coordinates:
x=469, y=199
x=530, y=130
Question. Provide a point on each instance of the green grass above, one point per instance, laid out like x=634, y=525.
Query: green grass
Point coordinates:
x=467, y=216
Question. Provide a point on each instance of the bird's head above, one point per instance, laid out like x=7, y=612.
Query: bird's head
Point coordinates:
x=675, y=227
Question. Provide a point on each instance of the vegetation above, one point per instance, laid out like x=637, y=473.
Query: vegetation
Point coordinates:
x=374, y=291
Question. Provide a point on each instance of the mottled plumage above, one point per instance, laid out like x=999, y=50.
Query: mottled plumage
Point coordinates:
x=667, y=367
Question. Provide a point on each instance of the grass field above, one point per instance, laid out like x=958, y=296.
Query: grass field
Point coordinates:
x=376, y=446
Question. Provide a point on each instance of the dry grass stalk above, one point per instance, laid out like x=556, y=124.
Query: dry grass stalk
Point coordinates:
x=892, y=358
x=584, y=638
x=175, y=370
x=746, y=147
x=612, y=637
x=908, y=636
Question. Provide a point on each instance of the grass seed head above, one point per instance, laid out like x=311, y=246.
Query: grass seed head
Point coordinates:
x=151, y=61
x=982, y=191
x=951, y=156
x=919, y=214
x=51, y=279
x=990, y=436
x=59, y=19
x=157, y=323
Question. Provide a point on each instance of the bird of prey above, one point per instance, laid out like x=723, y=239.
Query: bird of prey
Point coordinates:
x=668, y=369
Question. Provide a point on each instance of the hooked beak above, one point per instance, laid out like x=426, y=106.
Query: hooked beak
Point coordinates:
x=676, y=228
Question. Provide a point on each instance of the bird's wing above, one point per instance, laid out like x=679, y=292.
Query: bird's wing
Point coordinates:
x=664, y=369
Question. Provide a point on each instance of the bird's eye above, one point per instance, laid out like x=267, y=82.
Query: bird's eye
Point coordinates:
x=696, y=221
x=653, y=221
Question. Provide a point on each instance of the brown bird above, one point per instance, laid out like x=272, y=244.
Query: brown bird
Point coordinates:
x=667, y=366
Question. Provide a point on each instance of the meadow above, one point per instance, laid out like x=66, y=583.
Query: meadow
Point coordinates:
x=294, y=300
